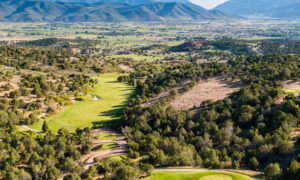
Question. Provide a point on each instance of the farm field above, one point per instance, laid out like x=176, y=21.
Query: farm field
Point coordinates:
x=207, y=175
x=92, y=111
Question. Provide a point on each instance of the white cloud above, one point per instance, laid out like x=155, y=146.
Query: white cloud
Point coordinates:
x=208, y=3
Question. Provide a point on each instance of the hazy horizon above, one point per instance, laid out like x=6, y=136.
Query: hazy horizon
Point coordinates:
x=208, y=4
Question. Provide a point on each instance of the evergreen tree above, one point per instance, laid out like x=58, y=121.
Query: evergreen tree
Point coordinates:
x=45, y=127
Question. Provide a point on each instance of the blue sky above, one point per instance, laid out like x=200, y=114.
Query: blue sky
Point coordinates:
x=208, y=3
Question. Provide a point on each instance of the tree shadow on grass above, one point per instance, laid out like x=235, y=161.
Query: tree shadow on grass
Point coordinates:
x=113, y=82
x=116, y=112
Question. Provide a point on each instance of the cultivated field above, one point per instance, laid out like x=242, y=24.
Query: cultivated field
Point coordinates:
x=194, y=175
x=214, y=89
x=100, y=108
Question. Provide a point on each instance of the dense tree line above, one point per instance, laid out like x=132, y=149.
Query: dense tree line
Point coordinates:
x=280, y=46
x=31, y=156
x=234, y=46
x=23, y=103
x=245, y=129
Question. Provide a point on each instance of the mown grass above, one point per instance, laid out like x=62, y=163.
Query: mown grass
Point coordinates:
x=104, y=112
x=185, y=175
x=108, y=146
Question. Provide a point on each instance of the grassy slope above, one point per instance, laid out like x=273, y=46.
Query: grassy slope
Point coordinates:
x=208, y=175
x=103, y=112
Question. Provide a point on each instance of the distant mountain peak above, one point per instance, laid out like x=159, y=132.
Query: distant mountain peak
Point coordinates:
x=44, y=10
x=262, y=8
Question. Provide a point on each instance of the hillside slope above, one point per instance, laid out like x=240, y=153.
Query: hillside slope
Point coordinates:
x=41, y=10
x=262, y=8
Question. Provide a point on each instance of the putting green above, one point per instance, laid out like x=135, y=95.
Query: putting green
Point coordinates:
x=194, y=175
x=101, y=111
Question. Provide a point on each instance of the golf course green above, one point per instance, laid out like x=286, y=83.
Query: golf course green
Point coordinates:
x=100, y=108
x=194, y=175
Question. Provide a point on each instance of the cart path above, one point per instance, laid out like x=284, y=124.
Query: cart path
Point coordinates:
x=88, y=159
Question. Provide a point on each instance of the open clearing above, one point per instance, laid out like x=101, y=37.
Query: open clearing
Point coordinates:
x=214, y=89
x=291, y=87
x=194, y=175
x=89, y=112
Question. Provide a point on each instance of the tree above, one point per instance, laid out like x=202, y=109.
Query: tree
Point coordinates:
x=254, y=163
x=72, y=176
x=293, y=171
x=45, y=127
x=24, y=175
x=147, y=168
x=126, y=173
x=286, y=148
x=273, y=171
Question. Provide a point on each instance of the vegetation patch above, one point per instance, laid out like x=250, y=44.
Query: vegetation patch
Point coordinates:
x=88, y=113
x=108, y=146
x=117, y=157
x=105, y=136
x=185, y=175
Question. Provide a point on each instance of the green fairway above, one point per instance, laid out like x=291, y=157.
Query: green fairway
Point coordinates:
x=192, y=175
x=101, y=111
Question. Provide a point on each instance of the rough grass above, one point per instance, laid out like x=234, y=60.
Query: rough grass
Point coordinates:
x=108, y=146
x=105, y=136
x=87, y=113
x=291, y=87
x=290, y=91
x=207, y=175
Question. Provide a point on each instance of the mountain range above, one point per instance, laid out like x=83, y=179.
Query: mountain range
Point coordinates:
x=289, y=9
x=132, y=2
x=110, y=10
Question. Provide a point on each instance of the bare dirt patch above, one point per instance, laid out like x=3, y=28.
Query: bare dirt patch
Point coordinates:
x=292, y=85
x=213, y=89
